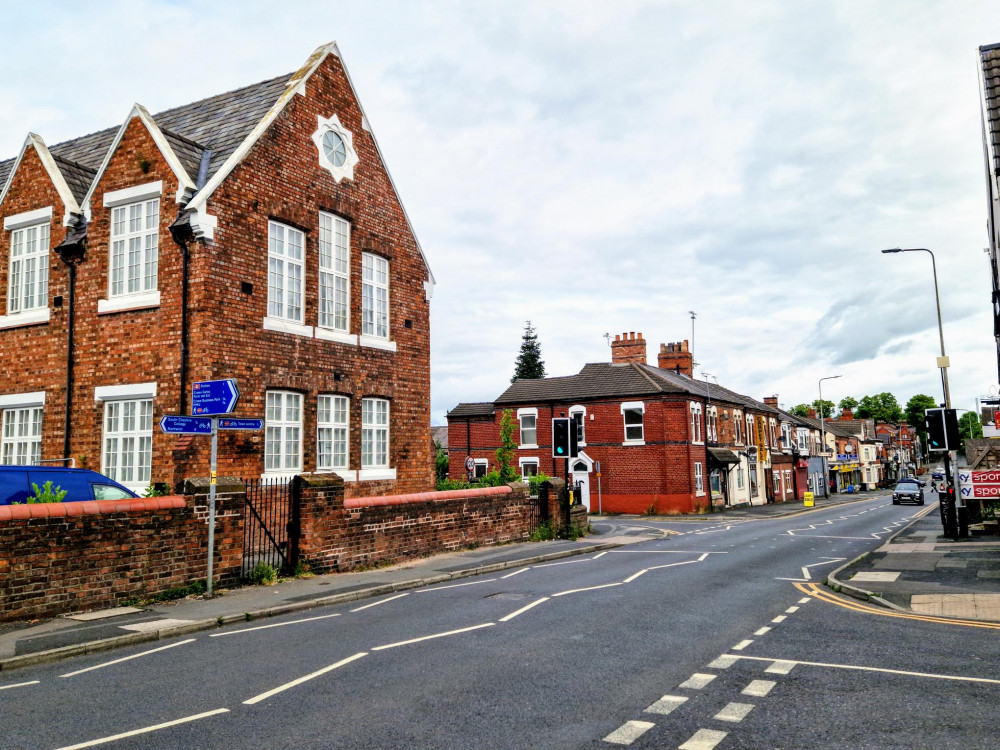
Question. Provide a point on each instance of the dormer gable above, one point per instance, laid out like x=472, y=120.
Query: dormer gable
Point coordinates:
x=53, y=168
x=165, y=144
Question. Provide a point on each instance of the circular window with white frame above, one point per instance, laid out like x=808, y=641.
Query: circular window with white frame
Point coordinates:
x=335, y=145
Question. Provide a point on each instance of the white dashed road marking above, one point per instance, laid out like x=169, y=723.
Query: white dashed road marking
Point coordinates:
x=272, y=625
x=697, y=681
x=724, y=662
x=512, y=615
x=734, y=712
x=431, y=637
x=779, y=618
x=759, y=688
x=145, y=730
x=780, y=667
x=127, y=658
x=805, y=600
x=629, y=732
x=791, y=610
x=432, y=589
x=381, y=601
x=742, y=645
x=704, y=739
x=666, y=704
x=763, y=631
x=516, y=572
x=18, y=684
x=305, y=678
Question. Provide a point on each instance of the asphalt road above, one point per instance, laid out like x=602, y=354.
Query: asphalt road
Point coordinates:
x=713, y=637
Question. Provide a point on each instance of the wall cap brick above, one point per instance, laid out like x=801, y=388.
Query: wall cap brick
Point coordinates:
x=89, y=507
x=425, y=497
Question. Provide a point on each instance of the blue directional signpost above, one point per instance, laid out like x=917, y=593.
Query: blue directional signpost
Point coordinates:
x=211, y=400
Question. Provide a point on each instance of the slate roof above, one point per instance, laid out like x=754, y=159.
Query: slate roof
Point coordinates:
x=219, y=123
x=990, y=58
x=477, y=409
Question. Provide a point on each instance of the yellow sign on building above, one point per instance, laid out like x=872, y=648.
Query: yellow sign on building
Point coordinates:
x=761, y=439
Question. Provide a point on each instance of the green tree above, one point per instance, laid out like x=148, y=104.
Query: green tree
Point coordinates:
x=440, y=463
x=505, y=453
x=884, y=407
x=800, y=410
x=969, y=426
x=848, y=402
x=823, y=408
x=529, y=362
x=915, y=408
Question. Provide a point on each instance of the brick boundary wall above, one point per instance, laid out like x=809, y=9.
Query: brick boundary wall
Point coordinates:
x=57, y=558
x=339, y=535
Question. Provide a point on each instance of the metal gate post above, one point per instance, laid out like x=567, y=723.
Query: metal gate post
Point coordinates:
x=294, y=522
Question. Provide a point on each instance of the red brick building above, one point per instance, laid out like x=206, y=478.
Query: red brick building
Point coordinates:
x=662, y=440
x=254, y=235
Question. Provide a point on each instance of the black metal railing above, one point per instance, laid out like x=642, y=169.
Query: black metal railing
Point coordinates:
x=271, y=524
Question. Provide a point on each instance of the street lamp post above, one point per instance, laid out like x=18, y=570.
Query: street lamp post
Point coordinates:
x=822, y=430
x=943, y=364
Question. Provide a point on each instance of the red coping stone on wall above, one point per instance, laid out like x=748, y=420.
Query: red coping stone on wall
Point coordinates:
x=424, y=497
x=89, y=507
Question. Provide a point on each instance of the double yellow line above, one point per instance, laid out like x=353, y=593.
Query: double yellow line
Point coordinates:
x=818, y=591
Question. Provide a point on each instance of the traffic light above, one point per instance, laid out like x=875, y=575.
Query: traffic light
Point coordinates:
x=560, y=437
x=934, y=424
x=942, y=429
x=564, y=438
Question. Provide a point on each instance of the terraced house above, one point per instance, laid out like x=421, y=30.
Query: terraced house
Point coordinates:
x=651, y=438
x=254, y=235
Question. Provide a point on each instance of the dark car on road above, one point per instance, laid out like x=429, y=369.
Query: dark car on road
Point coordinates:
x=937, y=475
x=80, y=484
x=908, y=491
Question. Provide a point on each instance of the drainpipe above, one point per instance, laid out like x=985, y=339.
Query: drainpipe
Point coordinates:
x=71, y=251
x=182, y=235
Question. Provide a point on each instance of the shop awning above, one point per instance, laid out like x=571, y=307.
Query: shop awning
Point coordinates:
x=722, y=456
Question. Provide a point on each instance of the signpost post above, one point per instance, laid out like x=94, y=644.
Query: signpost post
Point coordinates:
x=211, y=399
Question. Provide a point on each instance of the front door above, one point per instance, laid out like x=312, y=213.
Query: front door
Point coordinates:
x=582, y=478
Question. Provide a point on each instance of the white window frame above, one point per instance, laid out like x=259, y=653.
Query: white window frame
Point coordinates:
x=751, y=438
x=521, y=415
x=481, y=464
x=375, y=445
x=738, y=427
x=530, y=461
x=802, y=439
x=374, y=299
x=21, y=435
x=28, y=270
x=581, y=429
x=776, y=475
x=333, y=417
x=712, y=424
x=334, y=315
x=633, y=406
x=696, y=435
x=788, y=480
x=286, y=250
x=127, y=441
x=133, y=267
x=699, y=479
x=282, y=433
x=740, y=478
x=772, y=431
x=786, y=436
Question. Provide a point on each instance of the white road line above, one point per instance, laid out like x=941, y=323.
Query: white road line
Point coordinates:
x=805, y=600
x=763, y=631
x=742, y=645
x=780, y=666
x=599, y=555
x=635, y=575
x=702, y=558
x=704, y=739
x=18, y=684
x=791, y=610
x=672, y=565
x=629, y=732
x=666, y=704
x=734, y=712
x=589, y=588
x=306, y=678
x=697, y=681
x=128, y=658
x=524, y=609
x=824, y=536
x=779, y=618
x=146, y=730
x=454, y=586
x=272, y=625
x=882, y=670
x=381, y=601
x=515, y=573
x=564, y=562
x=723, y=662
x=759, y=688
x=431, y=637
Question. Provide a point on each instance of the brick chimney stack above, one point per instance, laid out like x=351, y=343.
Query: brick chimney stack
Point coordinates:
x=677, y=357
x=846, y=414
x=628, y=348
x=771, y=401
x=812, y=413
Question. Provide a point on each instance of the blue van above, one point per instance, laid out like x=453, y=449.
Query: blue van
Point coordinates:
x=80, y=484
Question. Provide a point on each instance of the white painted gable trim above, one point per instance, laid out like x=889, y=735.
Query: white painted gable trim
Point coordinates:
x=55, y=174
x=185, y=185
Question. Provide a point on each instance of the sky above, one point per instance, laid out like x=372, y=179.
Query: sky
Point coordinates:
x=609, y=167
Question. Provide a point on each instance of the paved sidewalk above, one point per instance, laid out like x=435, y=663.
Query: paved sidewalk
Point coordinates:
x=57, y=638
x=921, y=571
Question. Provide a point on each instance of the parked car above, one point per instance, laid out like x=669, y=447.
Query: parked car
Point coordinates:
x=937, y=475
x=80, y=484
x=908, y=491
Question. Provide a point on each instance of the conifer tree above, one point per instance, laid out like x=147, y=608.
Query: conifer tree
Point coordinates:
x=529, y=362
